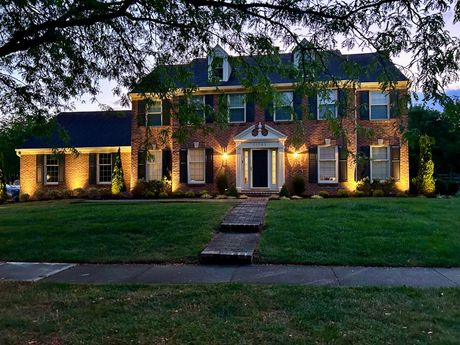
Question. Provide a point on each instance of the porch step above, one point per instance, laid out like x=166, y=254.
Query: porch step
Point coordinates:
x=264, y=194
x=230, y=248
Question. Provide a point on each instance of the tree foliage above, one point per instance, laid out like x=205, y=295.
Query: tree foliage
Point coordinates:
x=53, y=51
x=118, y=182
x=425, y=180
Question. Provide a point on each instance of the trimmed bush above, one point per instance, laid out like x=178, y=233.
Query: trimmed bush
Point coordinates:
x=163, y=195
x=358, y=194
x=54, y=194
x=388, y=186
x=179, y=194
x=139, y=190
x=401, y=195
x=202, y=192
x=284, y=192
x=232, y=191
x=298, y=185
x=149, y=195
x=24, y=197
x=222, y=182
x=452, y=188
x=324, y=194
x=118, y=183
x=79, y=193
x=94, y=193
x=41, y=195
x=378, y=193
x=190, y=194
x=364, y=186
x=342, y=193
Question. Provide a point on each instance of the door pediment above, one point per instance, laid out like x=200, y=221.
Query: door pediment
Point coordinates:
x=260, y=133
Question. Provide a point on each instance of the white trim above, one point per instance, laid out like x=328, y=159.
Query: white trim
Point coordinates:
x=388, y=160
x=189, y=180
x=243, y=107
x=371, y=104
x=147, y=113
x=336, y=155
x=291, y=106
x=46, y=171
x=335, y=103
x=81, y=150
x=98, y=169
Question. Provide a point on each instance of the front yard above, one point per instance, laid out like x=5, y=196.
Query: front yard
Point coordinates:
x=107, y=232
x=368, y=231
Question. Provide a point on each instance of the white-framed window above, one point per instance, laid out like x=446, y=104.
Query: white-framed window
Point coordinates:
x=104, y=168
x=218, y=68
x=198, y=103
x=328, y=167
x=283, y=110
x=380, y=162
x=327, y=104
x=154, y=113
x=154, y=166
x=236, y=108
x=196, y=165
x=379, y=105
x=51, y=169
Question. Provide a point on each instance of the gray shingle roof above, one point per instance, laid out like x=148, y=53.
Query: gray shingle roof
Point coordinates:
x=86, y=129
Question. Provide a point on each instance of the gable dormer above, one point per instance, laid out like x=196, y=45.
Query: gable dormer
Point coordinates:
x=305, y=48
x=218, y=65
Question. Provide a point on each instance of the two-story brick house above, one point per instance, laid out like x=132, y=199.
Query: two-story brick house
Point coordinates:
x=256, y=149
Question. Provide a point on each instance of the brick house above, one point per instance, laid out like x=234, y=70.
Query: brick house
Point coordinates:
x=255, y=149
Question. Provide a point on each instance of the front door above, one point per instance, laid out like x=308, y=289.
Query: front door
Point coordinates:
x=260, y=168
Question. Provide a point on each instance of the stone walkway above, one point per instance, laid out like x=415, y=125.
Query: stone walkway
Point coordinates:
x=420, y=277
x=239, y=236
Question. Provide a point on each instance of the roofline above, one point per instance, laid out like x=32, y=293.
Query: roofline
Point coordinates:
x=83, y=150
x=401, y=84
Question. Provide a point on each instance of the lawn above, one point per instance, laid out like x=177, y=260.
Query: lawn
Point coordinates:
x=368, y=231
x=226, y=314
x=107, y=232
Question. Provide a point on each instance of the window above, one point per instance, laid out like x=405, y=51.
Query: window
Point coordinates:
x=380, y=166
x=104, y=171
x=327, y=104
x=274, y=162
x=196, y=165
x=379, y=109
x=327, y=164
x=246, y=166
x=52, y=169
x=154, y=113
x=236, y=108
x=199, y=105
x=154, y=166
x=218, y=64
x=283, y=110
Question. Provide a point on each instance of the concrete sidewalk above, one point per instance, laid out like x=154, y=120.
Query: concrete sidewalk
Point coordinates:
x=255, y=274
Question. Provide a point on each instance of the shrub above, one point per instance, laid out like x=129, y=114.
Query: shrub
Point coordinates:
x=189, y=194
x=221, y=182
x=163, y=195
x=358, y=194
x=342, y=193
x=452, y=188
x=424, y=181
x=203, y=192
x=388, y=186
x=24, y=197
x=206, y=196
x=139, y=189
x=378, y=193
x=179, y=194
x=324, y=194
x=54, y=194
x=364, y=186
x=66, y=194
x=401, y=195
x=118, y=183
x=298, y=185
x=316, y=196
x=79, y=193
x=125, y=195
x=105, y=193
x=441, y=187
x=232, y=191
x=40, y=195
x=149, y=195
x=284, y=192
x=93, y=193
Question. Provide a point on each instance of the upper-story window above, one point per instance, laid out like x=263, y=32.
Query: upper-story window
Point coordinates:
x=327, y=104
x=283, y=110
x=104, y=171
x=199, y=105
x=154, y=113
x=379, y=105
x=236, y=108
x=218, y=68
x=51, y=169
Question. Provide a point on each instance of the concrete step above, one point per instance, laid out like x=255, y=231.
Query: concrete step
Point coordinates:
x=230, y=248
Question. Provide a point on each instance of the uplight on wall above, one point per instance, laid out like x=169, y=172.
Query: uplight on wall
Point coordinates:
x=296, y=154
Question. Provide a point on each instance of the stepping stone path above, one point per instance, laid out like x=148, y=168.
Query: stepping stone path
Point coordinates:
x=239, y=234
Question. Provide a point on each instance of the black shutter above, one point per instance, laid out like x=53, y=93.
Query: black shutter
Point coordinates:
x=92, y=168
x=250, y=109
x=395, y=162
x=342, y=102
x=141, y=158
x=209, y=166
x=166, y=112
x=40, y=174
x=343, y=166
x=209, y=101
x=269, y=112
x=141, y=113
x=364, y=162
x=183, y=172
x=395, y=104
x=313, y=106
x=313, y=164
x=363, y=105
x=166, y=164
x=61, y=168
x=297, y=105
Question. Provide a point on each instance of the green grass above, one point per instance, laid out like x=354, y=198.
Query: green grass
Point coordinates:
x=370, y=231
x=226, y=314
x=107, y=232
